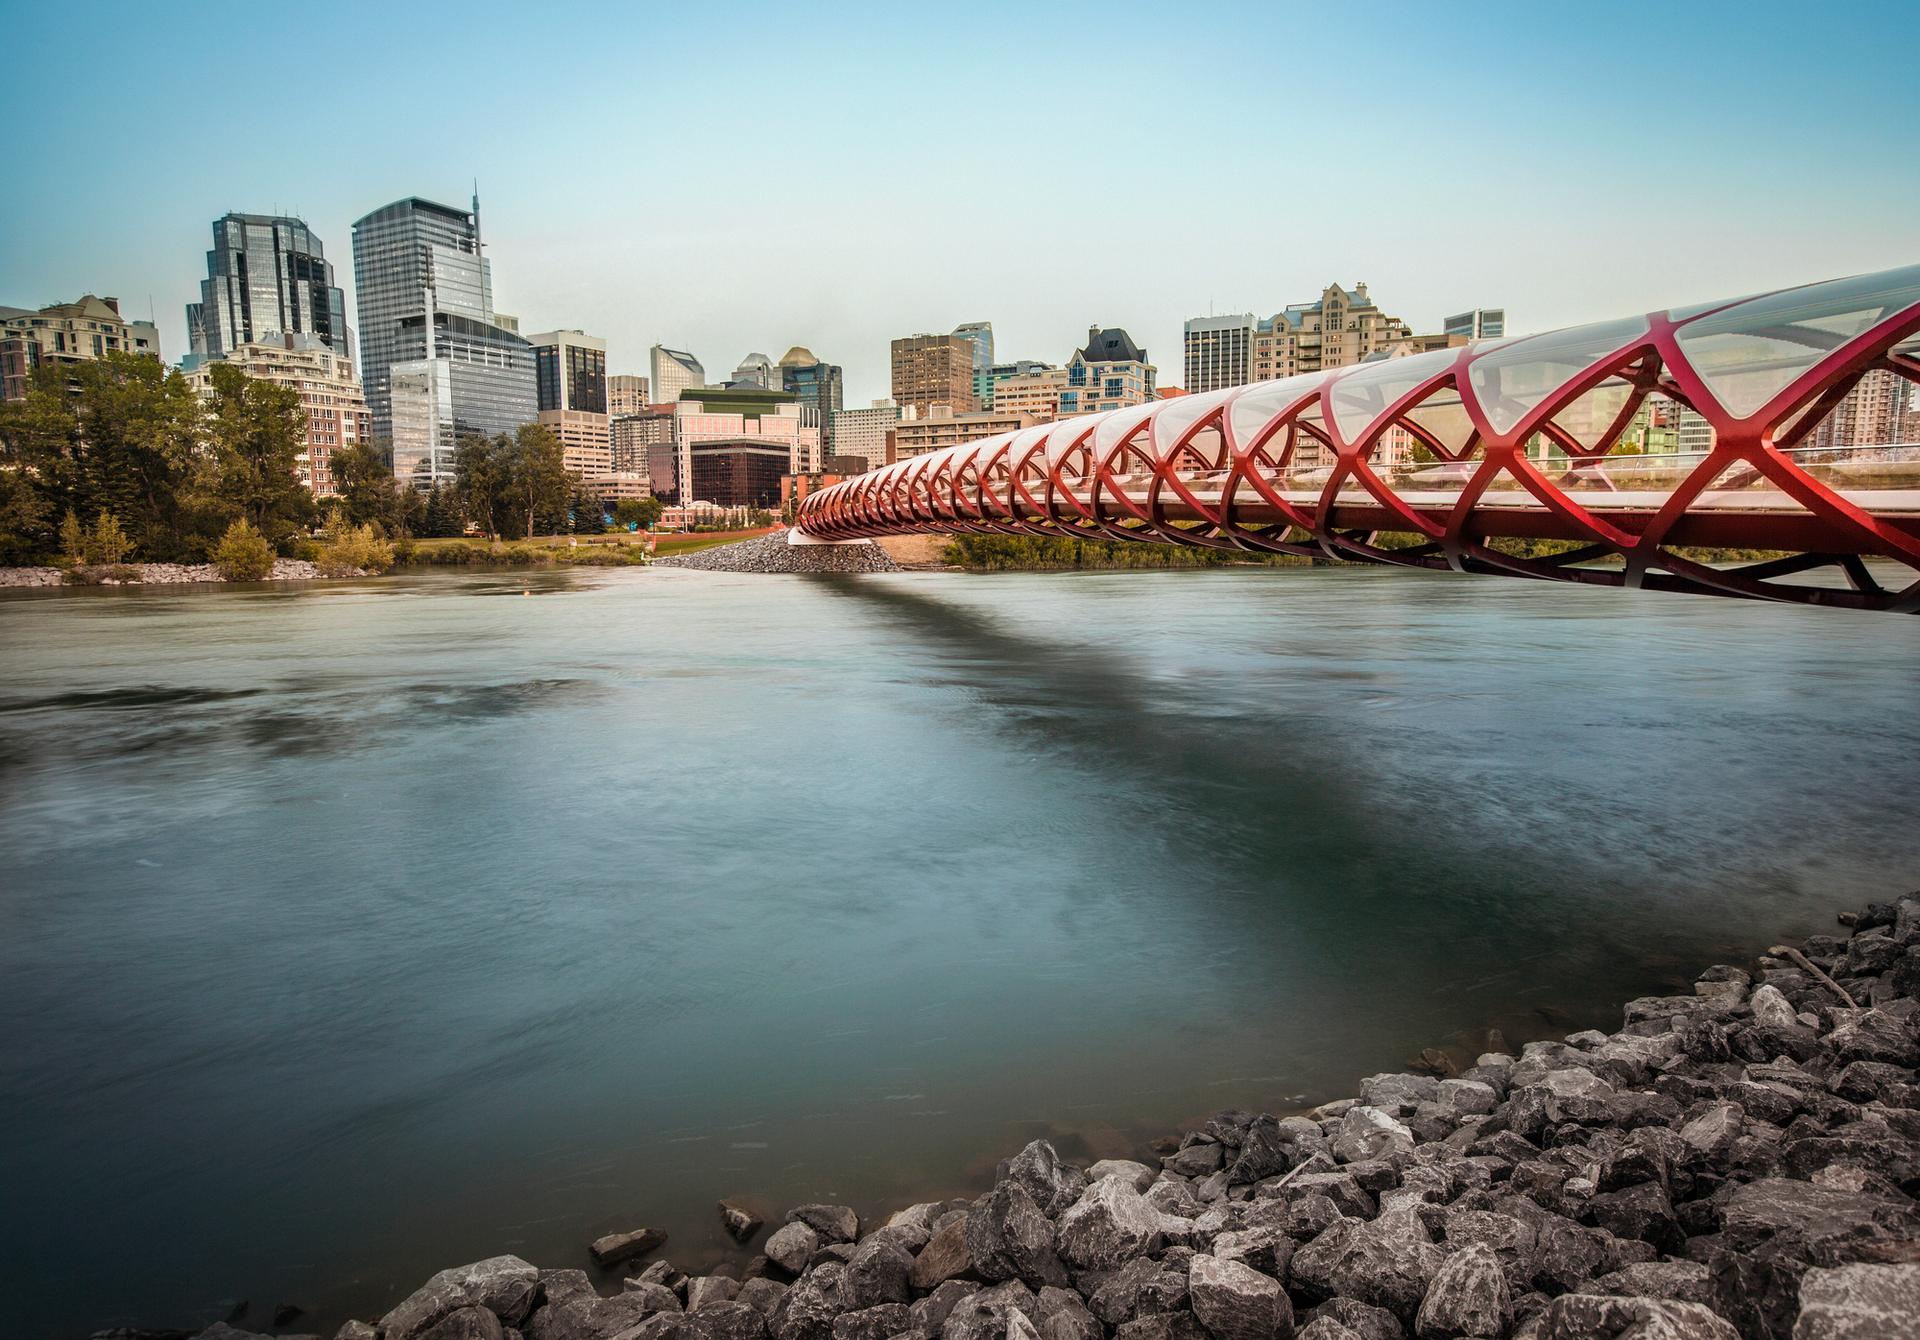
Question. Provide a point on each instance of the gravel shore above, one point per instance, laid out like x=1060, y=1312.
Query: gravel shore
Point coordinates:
x=153, y=574
x=1739, y=1161
x=772, y=553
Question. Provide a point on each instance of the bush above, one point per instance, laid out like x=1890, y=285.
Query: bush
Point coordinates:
x=352, y=549
x=73, y=540
x=403, y=551
x=243, y=554
x=304, y=550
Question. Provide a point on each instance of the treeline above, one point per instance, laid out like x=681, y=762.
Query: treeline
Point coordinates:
x=121, y=456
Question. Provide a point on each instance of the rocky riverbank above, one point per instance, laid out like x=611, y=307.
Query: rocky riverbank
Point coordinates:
x=151, y=574
x=1740, y=1161
x=772, y=553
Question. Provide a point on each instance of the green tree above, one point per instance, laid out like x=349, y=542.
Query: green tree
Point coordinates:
x=243, y=554
x=363, y=483
x=106, y=543
x=24, y=515
x=588, y=512
x=480, y=473
x=73, y=539
x=256, y=431
x=539, y=484
x=441, y=516
x=118, y=434
x=638, y=511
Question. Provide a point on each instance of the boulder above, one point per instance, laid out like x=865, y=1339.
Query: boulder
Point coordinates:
x=740, y=1222
x=588, y=1316
x=617, y=1247
x=1859, y=1302
x=762, y=1295
x=733, y=1320
x=1195, y=1160
x=1009, y=1237
x=1139, y=1174
x=1110, y=1224
x=1367, y=1133
x=1363, y=1320
x=1680, y=1281
x=834, y=1223
x=504, y=1285
x=878, y=1322
x=876, y=1273
x=1236, y=1302
x=1263, y=1152
x=1389, y=1263
x=944, y=1257
x=930, y=1313
x=707, y=1290
x=1052, y=1184
x=791, y=1246
x=807, y=1309
x=1772, y=1010
x=1004, y=1312
x=1063, y=1316
x=1468, y=1297
x=1577, y=1316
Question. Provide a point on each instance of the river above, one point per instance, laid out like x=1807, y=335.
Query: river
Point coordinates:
x=355, y=930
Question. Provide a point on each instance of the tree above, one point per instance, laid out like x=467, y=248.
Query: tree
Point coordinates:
x=480, y=473
x=243, y=554
x=363, y=483
x=23, y=518
x=538, y=482
x=107, y=543
x=118, y=434
x=73, y=539
x=442, y=514
x=256, y=431
x=642, y=512
x=589, y=513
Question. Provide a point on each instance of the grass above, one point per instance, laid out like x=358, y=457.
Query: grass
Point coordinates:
x=614, y=549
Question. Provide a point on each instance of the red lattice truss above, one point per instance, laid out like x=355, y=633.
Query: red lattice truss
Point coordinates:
x=1422, y=461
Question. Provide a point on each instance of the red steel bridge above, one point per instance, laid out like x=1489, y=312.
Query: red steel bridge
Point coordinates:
x=1446, y=459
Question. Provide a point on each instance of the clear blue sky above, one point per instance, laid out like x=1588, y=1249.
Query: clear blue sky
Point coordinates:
x=752, y=177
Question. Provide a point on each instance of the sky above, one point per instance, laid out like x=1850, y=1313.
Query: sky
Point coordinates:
x=746, y=178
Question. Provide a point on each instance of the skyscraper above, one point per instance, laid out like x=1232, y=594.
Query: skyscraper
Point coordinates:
x=266, y=276
x=979, y=334
x=425, y=295
x=1482, y=323
x=931, y=370
x=674, y=371
x=1219, y=351
x=818, y=386
x=626, y=394
x=570, y=371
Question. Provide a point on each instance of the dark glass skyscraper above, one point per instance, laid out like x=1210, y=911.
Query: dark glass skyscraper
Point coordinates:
x=266, y=276
x=425, y=296
x=818, y=386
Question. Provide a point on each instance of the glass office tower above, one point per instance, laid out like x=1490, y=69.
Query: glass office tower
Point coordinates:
x=425, y=293
x=266, y=276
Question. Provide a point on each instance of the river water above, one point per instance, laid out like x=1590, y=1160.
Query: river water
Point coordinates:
x=352, y=931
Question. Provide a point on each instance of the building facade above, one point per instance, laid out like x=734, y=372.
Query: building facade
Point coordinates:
x=1111, y=372
x=1482, y=323
x=570, y=377
x=918, y=436
x=329, y=392
x=66, y=332
x=674, y=371
x=1873, y=414
x=930, y=370
x=979, y=334
x=631, y=435
x=1218, y=351
x=267, y=276
x=626, y=394
x=1035, y=394
x=863, y=432
x=1338, y=330
x=773, y=419
x=737, y=472
x=818, y=387
x=755, y=371
x=425, y=296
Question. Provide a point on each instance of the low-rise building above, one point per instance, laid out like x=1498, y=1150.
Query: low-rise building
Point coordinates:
x=329, y=393
x=863, y=432
x=918, y=436
x=66, y=332
x=1036, y=394
x=1341, y=328
x=1112, y=372
x=1219, y=351
x=738, y=471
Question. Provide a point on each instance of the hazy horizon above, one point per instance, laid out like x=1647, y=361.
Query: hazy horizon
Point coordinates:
x=841, y=180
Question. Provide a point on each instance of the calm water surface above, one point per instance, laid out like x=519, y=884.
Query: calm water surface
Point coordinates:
x=351, y=932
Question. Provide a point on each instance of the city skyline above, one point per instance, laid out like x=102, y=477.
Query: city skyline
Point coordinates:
x=1733, y=203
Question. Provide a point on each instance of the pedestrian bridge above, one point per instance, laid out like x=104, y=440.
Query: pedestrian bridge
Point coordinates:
x=1752, y=447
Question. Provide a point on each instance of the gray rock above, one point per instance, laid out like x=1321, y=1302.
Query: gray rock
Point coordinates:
x=991, y=1314
x=707, y=1290
x=1110, y=1224
x=930, y=1313
x=733, y=1320
x=878, y=1322
x=1139, y=1174
x=1063, y=1316
x=762, y=1295
x=1360, y=1319
x=1050, y=1183
x=1596, y=1317
x=1680, y=1281
x=1236, y=1302
x=220, y=1330
x=1268, y=1250
x=356, y=1330
x=504, y=1285
x=1264, y=1151
x=1325, y=1328
x=1009, y=1237
x=1772, y=1009
x=1195, y=1160
x=834, y=1223
x=876, y=1273
x=791, y=1246
x=807, y=1309
x=1468, y=1297
x=944, y=1257
x=588, y=1316
x=617, y=1247
x=1367, y=1133
x=1773, y=1229
x=740, y=1222
x=1389, y=1263
x=1859, y=1302
x=1162, y=1326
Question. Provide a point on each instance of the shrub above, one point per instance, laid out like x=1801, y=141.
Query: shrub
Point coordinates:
x=304, y=550
x=73, y=540
x=403, y=551
x=351, y=549
x=243, y=554
x=106, y=544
